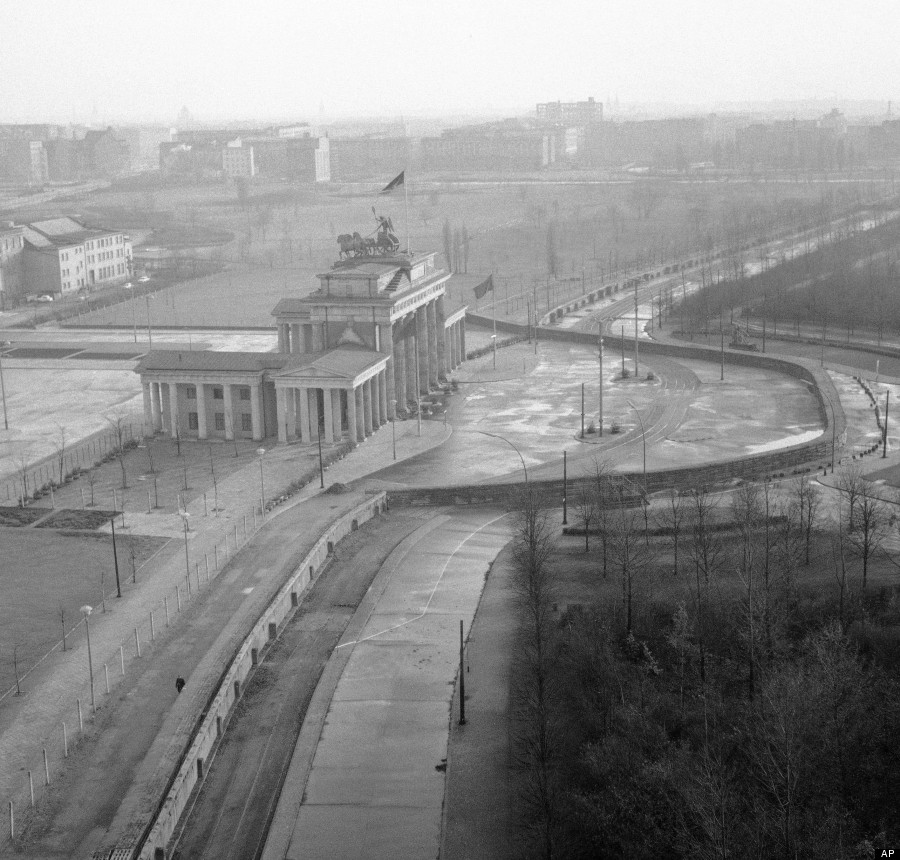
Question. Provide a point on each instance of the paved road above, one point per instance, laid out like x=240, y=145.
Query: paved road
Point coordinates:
x=230, y=816
x=375, y=787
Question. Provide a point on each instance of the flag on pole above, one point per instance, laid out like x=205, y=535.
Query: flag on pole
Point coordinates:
x=485, y=287
x=394, y=184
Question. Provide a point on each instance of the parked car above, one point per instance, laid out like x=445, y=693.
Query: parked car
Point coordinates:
x=127, y=286
x=143, y=279
x=44, y=299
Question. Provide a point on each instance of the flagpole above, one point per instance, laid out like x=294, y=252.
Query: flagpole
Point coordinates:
x=406, y=201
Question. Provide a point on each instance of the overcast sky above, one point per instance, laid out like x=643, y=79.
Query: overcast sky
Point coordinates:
x=277, y=59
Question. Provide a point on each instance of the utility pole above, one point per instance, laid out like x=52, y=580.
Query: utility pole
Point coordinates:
x=600, y=372
x=623, y=351
x=887, y=404
x=636, y=372
x=565, y=488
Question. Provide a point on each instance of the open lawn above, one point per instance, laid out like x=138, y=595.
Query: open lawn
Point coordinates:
x=286, y=234
x=46, y=576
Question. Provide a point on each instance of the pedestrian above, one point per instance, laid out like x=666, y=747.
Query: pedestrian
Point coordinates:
x=179, y=684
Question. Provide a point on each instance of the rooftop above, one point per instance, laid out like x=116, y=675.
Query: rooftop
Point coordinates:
x=239, y=362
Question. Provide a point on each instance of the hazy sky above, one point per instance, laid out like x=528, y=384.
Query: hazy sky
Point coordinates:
x=273, y=58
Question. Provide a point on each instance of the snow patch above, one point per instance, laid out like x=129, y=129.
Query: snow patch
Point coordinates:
x=785, y=442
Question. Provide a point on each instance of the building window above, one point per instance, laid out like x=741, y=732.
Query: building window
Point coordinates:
x=193, y=422
x=218, y=394
x=190, y=391
x=220, y=421
x=244, y=392
x=246, y=422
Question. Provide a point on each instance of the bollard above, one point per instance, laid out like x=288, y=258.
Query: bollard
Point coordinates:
x=197, y=571
x=46, y=768
x=149, y=504
x=152, y=632
x=122, y=658
x=187, y=579
x=205, y=513
x=206, y=562
x=178, y=597
x=12, y=822
x=216, y=554
x=80, y=718
x=31, y=787
x=106, y=674
x=245, y=527
x=137, y=642
x=166, y=604
x=65, y=742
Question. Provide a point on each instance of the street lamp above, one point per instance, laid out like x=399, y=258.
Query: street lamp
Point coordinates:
x=504, y=439
x=185, y=517
x=86, y=611
x=494, y=342
x=643, y=438
x=262, y=484
x=394, y=426
x=2, y=385
x=112, y=524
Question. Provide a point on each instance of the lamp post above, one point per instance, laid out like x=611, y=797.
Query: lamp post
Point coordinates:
x=86, y=611
x=394, y=426
x=3, y=385
x=321, y=465
x=494, y=343
x=185, y=517
x=643, y=438
x=112, y=524
x=262, y=483
x=504, y=439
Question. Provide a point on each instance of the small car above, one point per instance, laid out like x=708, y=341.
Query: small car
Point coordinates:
x=44, y=299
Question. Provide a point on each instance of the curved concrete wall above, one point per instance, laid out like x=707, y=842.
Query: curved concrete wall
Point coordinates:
x=212, y=721
x=751, y=466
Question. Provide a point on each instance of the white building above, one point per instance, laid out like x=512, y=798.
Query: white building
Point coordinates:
x=63, y=256
x=238, y=160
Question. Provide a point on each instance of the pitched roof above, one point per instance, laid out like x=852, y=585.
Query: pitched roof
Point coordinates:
x=344, y=362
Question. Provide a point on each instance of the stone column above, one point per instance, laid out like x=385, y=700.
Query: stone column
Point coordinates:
x=367, y=406
x=255, y=411
x=313, y=414
x=173, y=408
x=387, y=347
x=383, y=395
x=431, y=322
x=352, y=423
x=148, y=408
x=440, y=321
x=454, y=341
x=329, y=418
x=282, y=338
x=336, y=413
x=156, y=404
x=360, y=411
x=201, y=411
x=296, y=343
x=462, y=340
x=422, y=349
x=411, y=385
x=317, y=341
x=303, y=398
x=399, y=376
x=281, y=408
x=229, y=412
x=290, y=415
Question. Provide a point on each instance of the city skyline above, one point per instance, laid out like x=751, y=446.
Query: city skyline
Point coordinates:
x=289, y=61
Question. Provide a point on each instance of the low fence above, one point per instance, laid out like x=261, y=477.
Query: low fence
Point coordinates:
x=211, y=724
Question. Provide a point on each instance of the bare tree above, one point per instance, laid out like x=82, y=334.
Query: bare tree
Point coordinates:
x=852, y=485
x=586, y=510
x=632, y=556
x=22, y=469
x=872, y=529
x=60, y=445
x=62, y=621
x=808, y=501
x=705, y=549
x=119, y=427
x=674, y=520
x=92, y=478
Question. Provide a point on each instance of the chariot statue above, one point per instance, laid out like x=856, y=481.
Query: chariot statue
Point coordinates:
x=381, y=242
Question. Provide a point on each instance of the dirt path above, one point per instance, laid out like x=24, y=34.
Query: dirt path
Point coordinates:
x=231, y=813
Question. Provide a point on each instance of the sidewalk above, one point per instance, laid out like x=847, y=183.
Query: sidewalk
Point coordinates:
x=34, y=721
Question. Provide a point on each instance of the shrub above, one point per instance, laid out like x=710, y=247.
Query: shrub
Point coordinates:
x=650, y=376
x=592, y=428
x=626, y=373
x=615, y=427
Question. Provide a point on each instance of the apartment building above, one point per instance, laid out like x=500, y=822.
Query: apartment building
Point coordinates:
x=63, y=256
x=12, y=264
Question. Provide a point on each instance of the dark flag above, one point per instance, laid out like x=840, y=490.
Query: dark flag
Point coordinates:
x=485, y=287
x=394, y=184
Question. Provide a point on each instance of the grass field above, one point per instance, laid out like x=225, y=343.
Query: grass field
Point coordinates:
x=288, y=234
x=45, y=573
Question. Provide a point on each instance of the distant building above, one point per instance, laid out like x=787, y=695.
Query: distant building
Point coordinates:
x=664, y=144
x=570, y=113
x=24, y=161
x=63, y=256
x=503, y=146
x=367, y=157
x=105, y=154
x=12, y=264
x=238, y=160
